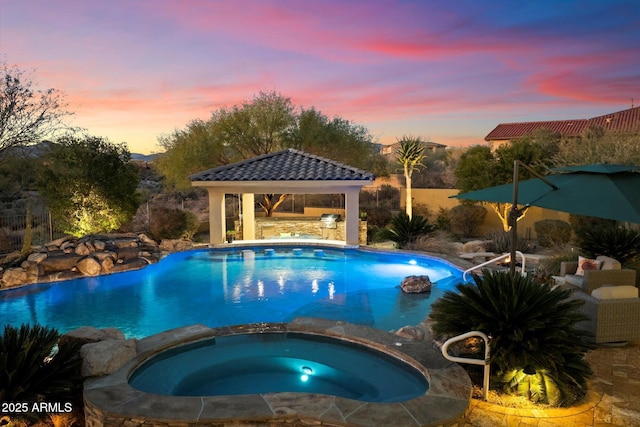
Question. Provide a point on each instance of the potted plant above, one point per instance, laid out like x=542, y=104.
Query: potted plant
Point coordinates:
x=231, y=234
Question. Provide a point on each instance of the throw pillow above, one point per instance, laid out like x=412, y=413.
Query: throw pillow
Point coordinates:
x=587, y=264
x=608, y=263
x=615, y=292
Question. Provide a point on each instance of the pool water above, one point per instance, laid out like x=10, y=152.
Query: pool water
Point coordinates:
x=279, y=362
x=218, y=287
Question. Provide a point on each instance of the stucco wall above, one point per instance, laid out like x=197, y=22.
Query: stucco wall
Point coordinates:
x=435, y=198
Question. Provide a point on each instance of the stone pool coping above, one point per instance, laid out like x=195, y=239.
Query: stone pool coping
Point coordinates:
x=110, y=400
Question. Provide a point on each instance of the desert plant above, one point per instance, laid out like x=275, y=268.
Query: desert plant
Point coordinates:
x=466, y=219
x=405, y=230
x=32, y=365
x=500, y=242
x=536, y=350
x=550, y=265
x=443, y=219
x=579, y=222
x=438, y=242
x=552, y=232
x=620, y=243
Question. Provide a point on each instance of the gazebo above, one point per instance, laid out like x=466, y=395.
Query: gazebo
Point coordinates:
x=285, y=172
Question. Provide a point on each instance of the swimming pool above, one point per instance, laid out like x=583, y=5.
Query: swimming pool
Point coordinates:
x=238, y=285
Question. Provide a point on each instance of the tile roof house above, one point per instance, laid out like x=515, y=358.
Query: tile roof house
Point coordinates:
x=621, y=121
x=283, y=172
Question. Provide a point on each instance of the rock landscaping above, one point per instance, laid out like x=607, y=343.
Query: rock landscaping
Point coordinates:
x=70, y=257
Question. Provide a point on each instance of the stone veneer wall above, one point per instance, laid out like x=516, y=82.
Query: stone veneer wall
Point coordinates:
x=274, y=227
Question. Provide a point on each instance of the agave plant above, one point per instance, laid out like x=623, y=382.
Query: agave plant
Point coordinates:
x=620, y=243
x=535, y=348
x=32, y=364
x=404, y=229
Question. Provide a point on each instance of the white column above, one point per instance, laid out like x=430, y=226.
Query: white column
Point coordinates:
x=217, y=224
x=248, y=217
x=352, y=216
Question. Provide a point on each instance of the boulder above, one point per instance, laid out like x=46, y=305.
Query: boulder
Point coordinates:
x=60, y=262
x=99, y=245
x=175, y=245
x=89, y=334
x=411, y=332
x=37, y=257
x=124, y=242
x=32, y=270
x=128, y=253
x=146, y=240
x=100, y=256
x=83, y=249
x=105, y=357
x=14, y=277
x=10, y=257
x=135, y=264
x=106, y=265
x=89, y=266
x=475, y=246
x=416, y=284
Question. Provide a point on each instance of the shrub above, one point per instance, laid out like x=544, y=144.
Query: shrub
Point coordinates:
x=466, y=219
x=31, y=364
x=620, y=243
x=173, y=223
x=500, y=242
x=536, y=350
x=404, y=229
x=378, y=217
x=443, y=219
x=438, y=242
x=579, y=222
x=552, y=232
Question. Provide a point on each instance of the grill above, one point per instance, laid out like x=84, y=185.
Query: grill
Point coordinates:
x=329, y=221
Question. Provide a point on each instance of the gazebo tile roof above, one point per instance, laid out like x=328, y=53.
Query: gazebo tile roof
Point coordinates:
x=285, y=165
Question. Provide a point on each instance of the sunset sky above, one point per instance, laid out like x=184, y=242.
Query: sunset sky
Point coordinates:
x=449, y=71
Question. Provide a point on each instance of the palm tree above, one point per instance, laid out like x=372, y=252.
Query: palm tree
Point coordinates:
x=409, y=155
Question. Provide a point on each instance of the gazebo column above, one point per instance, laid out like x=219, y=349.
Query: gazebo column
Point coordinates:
x=248, y=217
x=352, y=216
x=217, y=224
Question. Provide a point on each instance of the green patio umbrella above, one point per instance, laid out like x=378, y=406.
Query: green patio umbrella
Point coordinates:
x=598, y=190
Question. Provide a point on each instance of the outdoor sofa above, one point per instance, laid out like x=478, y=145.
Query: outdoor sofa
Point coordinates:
x=611, y=301
x=609, y=272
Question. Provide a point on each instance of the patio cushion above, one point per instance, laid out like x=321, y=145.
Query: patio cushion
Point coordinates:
x=574, y=279
x=615, y=292
x=587, y=264
x=608, y=263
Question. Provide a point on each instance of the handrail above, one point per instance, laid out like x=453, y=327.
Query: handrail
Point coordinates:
x=498, y=258
x=485, y=362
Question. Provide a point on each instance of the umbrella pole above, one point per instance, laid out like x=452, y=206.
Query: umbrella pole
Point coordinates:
x=513, y=219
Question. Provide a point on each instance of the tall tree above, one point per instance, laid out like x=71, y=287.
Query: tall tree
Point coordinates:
x=188, y=151
x=266, y=124
x=410, y=154
x=27, y=114
x=89, y=185
x=258, y=127
x=597, y=146
x=480, y=168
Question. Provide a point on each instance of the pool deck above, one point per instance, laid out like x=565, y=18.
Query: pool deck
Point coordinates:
x=613, y=398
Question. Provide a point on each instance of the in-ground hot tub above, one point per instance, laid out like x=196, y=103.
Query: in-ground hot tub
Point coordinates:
x=363, y=359
x=277, y=362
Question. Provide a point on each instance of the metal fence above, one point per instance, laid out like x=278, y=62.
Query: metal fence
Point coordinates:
x=13, y=229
